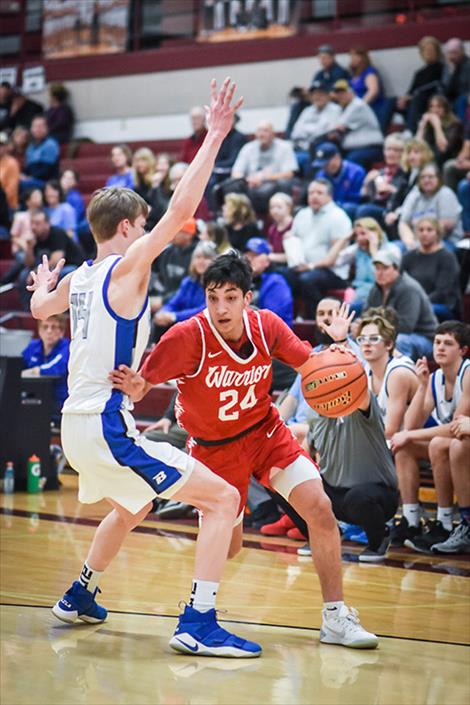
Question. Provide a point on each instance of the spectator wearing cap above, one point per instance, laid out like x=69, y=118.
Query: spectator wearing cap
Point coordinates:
x=270, y=289
x=22, y=110
x=358, y=129
x=330, y=71
x=9, y=173
x=190, y=297
x=416, y=319
x=41, y=161
x=345, y=176
x=313, y=123
x=172, y=265
x=267, y=164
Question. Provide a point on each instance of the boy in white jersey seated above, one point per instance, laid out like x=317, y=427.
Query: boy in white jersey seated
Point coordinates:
x=445, y=396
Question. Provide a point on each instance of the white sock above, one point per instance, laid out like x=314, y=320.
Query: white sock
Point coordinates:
x=332, y=608
x=411, y=513
x=445, y=515
x=89, y=578
x=203, y=595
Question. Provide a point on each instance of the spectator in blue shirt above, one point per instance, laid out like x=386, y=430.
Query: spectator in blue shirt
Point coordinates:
x=346, y=177
x=41, y=161
x=330, y=71
x=61, y=214
x=49, y=355
x=270, y=289
x=190, y=297
x=121, y=158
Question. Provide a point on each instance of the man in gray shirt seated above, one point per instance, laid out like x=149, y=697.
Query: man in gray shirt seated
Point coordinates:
x=358, y=473
x=358, y=127
x=416, y=319
x=268, y=165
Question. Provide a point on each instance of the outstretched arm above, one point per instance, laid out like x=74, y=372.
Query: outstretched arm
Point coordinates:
x=190, y=190
x=46, y=299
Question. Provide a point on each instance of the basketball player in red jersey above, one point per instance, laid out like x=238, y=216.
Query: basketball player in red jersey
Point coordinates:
x=221, y=359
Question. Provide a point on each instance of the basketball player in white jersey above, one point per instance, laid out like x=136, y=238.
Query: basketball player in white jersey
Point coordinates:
x=444, y=395
x=392, y=380
x=110, y=324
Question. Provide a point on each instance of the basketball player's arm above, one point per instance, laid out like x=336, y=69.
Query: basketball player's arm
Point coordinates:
x=178, y=353
x=129, y=382
x=463, y=405
x=400, y=383
x=422, y=403
x=189, y=191
x=447, y=430
x=48, y=300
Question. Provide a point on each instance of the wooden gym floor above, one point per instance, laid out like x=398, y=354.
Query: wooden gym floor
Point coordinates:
x=419, y=606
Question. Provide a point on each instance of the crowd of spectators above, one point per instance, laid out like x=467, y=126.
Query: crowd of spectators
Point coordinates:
x=363, y=197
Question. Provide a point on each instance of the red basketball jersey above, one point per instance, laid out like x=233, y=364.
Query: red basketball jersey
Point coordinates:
x=221, y=394
x=227, y=394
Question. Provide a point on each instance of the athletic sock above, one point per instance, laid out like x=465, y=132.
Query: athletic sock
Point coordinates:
x=465, y=514
x=411, y=513
x=203, y=595
x=444, y=515
x=89, y=578
x=332, y=608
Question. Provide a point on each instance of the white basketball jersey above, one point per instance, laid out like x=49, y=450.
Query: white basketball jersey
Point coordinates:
x=101, y=340
x=392, y=364
x=444, y=409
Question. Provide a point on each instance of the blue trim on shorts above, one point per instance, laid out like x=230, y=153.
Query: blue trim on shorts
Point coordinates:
x=127, y=453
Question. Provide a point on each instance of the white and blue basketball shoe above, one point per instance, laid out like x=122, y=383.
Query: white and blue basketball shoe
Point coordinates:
x=199, y=634
x=79, y=603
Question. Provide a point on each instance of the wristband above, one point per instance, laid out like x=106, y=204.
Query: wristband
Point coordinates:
x=343, y=340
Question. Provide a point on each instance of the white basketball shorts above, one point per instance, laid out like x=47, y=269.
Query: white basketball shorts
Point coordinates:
x=114, y=460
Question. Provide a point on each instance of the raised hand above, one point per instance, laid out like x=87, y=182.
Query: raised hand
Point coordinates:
x=422, y=371
x=44, y=276
x=221, y=111
x=341, y=320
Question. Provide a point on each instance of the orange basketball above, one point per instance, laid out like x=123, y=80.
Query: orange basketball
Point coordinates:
x=334, y=383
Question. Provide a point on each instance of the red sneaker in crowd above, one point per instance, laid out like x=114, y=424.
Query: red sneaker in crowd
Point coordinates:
x=279, y=528
x=296, y=534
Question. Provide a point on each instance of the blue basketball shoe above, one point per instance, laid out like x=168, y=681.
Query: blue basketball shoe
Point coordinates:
x=79, y=603
x=199, y=634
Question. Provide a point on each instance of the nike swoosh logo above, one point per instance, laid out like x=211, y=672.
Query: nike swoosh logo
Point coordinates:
x=214, y=354
x=188, y=646
x=271, y=432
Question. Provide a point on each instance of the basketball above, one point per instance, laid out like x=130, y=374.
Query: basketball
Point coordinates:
x=334, y=383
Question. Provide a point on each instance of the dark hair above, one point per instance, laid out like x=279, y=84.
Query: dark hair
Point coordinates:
x=459, y=330
x=74, y=172
x=231, y=268
x=55, y=184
